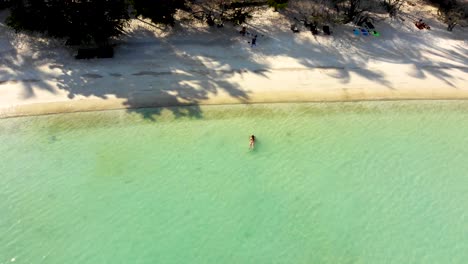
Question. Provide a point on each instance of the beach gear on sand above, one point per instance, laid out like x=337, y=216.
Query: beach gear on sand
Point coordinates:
x=369, y=26
x=364, y=32
x=421, y=25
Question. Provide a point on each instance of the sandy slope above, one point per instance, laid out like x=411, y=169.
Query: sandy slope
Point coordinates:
x=199, y=65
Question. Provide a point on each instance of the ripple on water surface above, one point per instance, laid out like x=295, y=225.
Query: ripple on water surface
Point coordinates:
x=374, y=182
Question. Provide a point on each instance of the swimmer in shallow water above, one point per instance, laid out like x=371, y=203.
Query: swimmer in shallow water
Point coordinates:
x=252, y=142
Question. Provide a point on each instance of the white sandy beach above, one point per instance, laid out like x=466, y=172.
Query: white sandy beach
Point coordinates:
x=200, y=65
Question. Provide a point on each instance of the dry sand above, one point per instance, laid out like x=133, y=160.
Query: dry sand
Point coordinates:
x=199, y=65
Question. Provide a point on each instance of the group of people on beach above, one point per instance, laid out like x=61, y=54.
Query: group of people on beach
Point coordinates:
x=243, y=32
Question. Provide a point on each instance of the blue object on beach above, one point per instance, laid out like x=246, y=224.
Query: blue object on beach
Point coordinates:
x=356, y=32
x=364, y=32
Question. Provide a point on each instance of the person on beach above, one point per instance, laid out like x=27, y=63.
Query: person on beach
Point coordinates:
x=243, y=31
x=421, y=25
x=254, y=41
x=252, y=142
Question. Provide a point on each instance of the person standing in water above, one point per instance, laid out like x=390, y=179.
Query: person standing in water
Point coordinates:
x=252, y=142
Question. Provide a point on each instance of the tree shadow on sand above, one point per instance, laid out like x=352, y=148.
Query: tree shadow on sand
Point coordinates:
x=188, y=65
x=345, y=54
x=163, y=75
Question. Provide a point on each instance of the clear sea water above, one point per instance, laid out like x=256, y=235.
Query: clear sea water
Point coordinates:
x=369, y=182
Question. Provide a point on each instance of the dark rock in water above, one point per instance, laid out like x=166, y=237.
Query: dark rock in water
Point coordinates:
x=52, y=139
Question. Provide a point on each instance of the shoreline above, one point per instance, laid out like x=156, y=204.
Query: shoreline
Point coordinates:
x=96, y=105
x=218, y=67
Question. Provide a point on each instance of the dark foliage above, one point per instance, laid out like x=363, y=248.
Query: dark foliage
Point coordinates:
x=392, y=6
x=238, y=12
x=444, y=5
x=277, y=4
x=238, y=16
x=351, y=9
x=80, y=22
x=5, y=3
x=452, y=12
x=216, y=12
x=243, y=4
x=159, y=11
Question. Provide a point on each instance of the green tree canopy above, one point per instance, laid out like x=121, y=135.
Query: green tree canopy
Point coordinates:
x=79, y=21
x=277, y=4
x=159, y=11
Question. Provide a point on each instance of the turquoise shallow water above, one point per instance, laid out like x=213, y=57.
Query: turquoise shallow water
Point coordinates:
x=375, y=182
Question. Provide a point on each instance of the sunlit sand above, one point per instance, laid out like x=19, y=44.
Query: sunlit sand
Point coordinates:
x=193, y=64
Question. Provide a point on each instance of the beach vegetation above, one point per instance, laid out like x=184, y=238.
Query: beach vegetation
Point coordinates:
x=238, y=15
x=392, y=6
x=216, y=12
x=452, y=12
x=159, y=11
x=453, y=17
x=5, y=4
x=277, y=4
x=350, y=9
x=78, y=22
x=311, y=13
